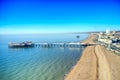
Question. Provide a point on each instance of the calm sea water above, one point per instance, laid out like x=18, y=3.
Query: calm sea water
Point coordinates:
x=37, y=63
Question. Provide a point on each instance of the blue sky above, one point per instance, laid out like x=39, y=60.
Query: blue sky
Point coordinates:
x=57, y=16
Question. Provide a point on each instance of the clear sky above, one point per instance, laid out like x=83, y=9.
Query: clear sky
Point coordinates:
x=57, y=16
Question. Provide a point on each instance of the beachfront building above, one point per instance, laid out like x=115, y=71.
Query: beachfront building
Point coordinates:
x=104, y=40
x=110, y=40
x=107, y=32
x=108, y=37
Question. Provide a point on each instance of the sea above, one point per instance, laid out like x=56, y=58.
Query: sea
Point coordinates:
x=38, y=63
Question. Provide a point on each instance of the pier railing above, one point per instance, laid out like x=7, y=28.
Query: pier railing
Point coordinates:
x=71, y=44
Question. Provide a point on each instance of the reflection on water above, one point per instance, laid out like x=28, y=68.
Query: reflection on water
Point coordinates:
x=19, y=48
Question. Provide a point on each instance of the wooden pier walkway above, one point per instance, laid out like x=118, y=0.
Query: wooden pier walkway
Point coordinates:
x=70, y=44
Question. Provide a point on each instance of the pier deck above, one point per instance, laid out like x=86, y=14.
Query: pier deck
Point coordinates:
x=70, y=44
x=48, y=44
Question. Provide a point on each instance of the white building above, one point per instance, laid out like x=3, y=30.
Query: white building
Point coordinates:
x=107, y=31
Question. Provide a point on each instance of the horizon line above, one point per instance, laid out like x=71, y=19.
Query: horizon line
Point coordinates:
x=85, y=32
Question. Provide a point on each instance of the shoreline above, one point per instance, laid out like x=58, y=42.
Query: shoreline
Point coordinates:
x=95, y=63
x=76, y=61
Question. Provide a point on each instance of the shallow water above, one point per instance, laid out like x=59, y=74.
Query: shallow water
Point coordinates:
x=37, y=63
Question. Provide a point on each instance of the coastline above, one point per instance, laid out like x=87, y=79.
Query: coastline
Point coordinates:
x=96, y=63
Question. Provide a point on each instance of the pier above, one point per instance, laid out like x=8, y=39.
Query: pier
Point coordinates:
x=60, y=44
x=49, y=45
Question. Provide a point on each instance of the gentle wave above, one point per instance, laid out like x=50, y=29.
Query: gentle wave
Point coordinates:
x=36, y=63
